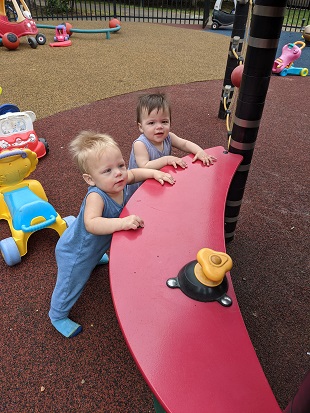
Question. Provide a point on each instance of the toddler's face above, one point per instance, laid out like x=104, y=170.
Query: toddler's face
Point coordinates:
x=108, y=171
x=155, y=125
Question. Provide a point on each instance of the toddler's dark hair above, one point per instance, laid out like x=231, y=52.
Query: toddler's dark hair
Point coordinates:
x=152, y=101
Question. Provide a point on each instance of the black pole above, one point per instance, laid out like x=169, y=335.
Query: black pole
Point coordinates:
x=265, y=30
x=114, y=9
x=236, y=43
x=206, y=13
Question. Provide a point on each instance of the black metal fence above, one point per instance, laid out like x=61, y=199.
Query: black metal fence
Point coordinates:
x=158, y=11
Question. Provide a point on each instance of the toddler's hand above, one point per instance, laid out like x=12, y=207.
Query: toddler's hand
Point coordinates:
x=175, y=162
x=132, y=222
x=162, y=177
x=204, y=158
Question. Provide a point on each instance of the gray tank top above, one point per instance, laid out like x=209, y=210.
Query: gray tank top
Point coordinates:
x=153, y=152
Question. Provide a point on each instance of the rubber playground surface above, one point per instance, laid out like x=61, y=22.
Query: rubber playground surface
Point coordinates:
x=94, y=84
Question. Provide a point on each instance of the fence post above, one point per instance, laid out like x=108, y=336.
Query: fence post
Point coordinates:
x=265, y=30
x=206, y=13
x=114, y=9
x=240, y=21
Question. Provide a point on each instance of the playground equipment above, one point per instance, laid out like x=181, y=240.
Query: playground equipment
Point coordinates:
x=236, y=75
x=70, y=30
x=113, y=23
x=204, y=279
x=16, y=131
x=196, y=356
x=284, y=65
x=237, y=45
x=24, y=204
x=222, y=18
x=189, y=340
x=23, y=25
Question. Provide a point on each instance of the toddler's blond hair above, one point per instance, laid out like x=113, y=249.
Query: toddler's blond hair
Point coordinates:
x=87, y=143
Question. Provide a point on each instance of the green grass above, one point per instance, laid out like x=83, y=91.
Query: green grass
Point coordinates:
x=294, y=17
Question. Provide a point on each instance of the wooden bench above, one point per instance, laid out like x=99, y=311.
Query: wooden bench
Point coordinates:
x=195, y=356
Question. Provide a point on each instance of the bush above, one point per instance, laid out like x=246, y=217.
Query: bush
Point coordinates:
x=57, y=7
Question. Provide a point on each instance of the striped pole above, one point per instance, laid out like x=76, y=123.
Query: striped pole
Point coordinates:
x=265, y=30
x=236, y=43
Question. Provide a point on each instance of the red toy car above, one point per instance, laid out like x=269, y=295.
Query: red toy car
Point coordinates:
x=16, y=132
x=61, y=38
x=61, y=34
x=22, y=25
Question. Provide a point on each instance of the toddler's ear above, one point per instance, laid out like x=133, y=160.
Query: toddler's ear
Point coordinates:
x=140, y=127
x=88, y=179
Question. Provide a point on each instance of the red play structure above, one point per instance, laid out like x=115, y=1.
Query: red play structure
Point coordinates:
x=185, y=333
x=195, y=356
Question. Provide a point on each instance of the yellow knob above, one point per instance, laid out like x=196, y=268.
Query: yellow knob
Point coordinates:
x=212, y=266
x=215, y=259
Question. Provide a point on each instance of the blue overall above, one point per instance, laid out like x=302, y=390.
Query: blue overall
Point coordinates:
x=77, y=254
x=153, y=152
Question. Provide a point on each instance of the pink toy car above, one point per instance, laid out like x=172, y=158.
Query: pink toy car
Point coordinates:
x=16, y=132
x=61, y=34
x=23, y=25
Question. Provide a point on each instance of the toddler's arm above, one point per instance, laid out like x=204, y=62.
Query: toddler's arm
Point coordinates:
x=141, y=174
x=97, y=225
x=191, y=147
x=143, y=160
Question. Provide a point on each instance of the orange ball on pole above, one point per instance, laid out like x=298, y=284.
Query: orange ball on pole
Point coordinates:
x=113, y=23
x=68, y=28
x=236, y=76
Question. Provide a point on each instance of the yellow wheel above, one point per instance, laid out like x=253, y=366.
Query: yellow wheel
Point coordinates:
x=304, y=72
